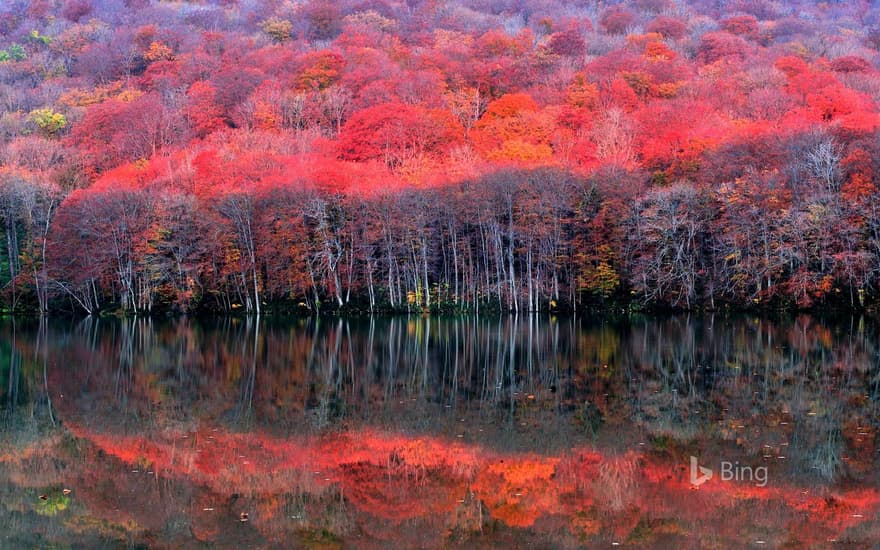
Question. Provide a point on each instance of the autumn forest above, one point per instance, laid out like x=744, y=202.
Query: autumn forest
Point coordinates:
x=469, y=155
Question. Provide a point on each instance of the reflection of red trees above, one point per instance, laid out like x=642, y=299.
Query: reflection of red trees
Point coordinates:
x=519, y=490
x=391, y=479
x=391, y=493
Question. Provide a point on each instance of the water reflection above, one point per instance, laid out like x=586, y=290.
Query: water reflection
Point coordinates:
x=431, y=432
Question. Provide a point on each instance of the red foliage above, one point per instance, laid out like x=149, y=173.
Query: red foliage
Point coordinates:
x=320, y=70
x=75, y=10
x=568, y=42
x=358, y=94
x=791, y=65
x=233, y=84
x=324, y=18
x=616, y=20
x=202, y=110
x=836, y=103
x=669, y=27
x=850, y=64
x=715, y=46
x=743, y=25
x=396, y=133
x=118, y=131
x=860, y=183
x=497, y=43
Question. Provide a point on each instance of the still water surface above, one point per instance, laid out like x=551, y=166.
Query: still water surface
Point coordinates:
x=425, y=432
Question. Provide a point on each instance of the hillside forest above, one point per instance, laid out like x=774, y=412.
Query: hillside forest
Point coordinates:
x=468, y=155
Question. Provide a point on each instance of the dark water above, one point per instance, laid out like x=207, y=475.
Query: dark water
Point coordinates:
x=413, y=432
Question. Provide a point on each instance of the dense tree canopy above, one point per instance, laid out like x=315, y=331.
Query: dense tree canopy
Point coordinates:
x=454, y=154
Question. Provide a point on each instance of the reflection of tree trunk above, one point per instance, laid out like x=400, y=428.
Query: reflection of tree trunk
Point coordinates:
x=456, y=350
x=368, y=365
x=42, y=349
x=352, y=369
x=511, y=364
x=425, y=357
x=246, y=397
x=315, y=323
x=125, y=372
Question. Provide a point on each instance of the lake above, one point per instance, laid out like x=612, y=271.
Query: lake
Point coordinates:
x=424, y=432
